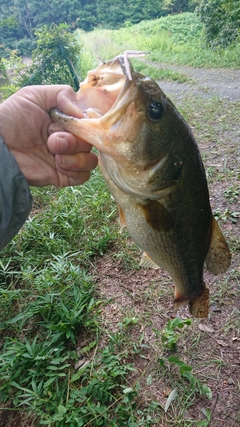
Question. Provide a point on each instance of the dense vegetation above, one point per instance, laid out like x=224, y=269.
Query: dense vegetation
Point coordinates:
x=20, y=19
x=176, y=39
x=61, y=56
x=221, y=19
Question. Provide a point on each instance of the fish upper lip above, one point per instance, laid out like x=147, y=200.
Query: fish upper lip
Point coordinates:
x=126, y=95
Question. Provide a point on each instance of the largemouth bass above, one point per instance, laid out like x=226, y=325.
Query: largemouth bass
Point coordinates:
x=153, y=169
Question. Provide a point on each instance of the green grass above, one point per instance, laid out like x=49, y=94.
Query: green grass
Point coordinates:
x=49, y=307
x=51, y=320
x=177, y=39
x=159, y=73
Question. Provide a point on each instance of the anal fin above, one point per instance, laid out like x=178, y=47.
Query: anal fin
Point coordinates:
x=218, y=258
x=147, y=262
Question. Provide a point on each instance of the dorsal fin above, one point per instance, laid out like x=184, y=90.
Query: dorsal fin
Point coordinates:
x=218, y=258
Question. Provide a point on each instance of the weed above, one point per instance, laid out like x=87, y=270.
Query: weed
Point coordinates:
x=205, y=423
x=232, y=193
x=159, y=73
x=228, y=214
x=178, y=39
x=169, y=334
x=186, y=372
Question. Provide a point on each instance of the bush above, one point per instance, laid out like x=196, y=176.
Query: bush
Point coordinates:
x=25, y=46
x=221, y=19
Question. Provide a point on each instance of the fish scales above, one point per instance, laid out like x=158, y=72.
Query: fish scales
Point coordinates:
x=176, y=250
x=153, y=168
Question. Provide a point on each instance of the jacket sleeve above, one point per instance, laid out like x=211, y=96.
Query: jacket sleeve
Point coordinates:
x=15, y=196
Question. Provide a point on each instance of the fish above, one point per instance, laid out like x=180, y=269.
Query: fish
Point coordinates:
x=152, y=165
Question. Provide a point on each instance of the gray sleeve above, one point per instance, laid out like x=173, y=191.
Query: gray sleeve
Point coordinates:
x=15, y=197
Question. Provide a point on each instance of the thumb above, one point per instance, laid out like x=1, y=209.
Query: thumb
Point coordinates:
x=67, y=102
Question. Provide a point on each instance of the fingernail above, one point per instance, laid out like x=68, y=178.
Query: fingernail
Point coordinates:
x=61, y=143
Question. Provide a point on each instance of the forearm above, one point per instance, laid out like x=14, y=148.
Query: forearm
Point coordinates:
x=15, y=197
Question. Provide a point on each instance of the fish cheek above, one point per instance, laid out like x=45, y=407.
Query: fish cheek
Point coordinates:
x=157, y=217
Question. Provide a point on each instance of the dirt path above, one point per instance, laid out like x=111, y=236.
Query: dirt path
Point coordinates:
x=220, y=83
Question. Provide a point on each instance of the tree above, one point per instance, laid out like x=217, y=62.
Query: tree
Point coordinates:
x=144, y=10
x=111, y=14
x=221, y=19
x=55, y=59
x=175, y=6
x=21, y=18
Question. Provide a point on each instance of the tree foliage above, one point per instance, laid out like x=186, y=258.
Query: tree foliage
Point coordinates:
x=221, y=19
x=55, y=60
x=56, y=57
x=20, y=18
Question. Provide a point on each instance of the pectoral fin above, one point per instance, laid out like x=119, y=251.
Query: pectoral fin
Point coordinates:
x=156, y=215
x=147, y=262
x=218, y=258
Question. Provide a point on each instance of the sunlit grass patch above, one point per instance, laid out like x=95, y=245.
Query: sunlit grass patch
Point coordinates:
x=159, y=73
x=176, y=39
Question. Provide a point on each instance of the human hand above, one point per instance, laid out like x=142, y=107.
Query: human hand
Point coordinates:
x=44, y=153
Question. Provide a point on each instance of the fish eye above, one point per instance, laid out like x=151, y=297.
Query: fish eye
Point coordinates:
x=155, y=111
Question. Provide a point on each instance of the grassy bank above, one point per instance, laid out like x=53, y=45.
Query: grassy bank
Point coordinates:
x=175, y=39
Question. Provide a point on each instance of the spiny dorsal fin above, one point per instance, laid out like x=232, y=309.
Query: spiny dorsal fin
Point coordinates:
x=147, y=262
x=218, y=258
x=156, y=215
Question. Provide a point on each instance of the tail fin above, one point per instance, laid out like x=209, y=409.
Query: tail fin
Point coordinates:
x=218, y=258
x=198, y=306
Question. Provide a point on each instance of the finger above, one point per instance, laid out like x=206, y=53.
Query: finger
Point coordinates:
x=80, y=179
x=80, y=162
x=75, y=179
x=66, y=143
x=55, y=127
x=68, y=104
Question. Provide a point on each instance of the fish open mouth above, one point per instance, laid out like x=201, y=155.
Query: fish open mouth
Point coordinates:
x=105, y=97
x=108, y=90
